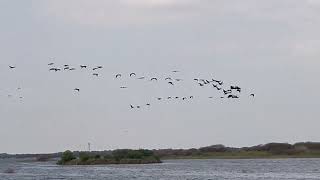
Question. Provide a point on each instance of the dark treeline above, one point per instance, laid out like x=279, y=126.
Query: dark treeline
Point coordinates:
x=270, y=149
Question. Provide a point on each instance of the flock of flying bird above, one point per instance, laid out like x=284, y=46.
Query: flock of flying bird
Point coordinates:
x=232, y=92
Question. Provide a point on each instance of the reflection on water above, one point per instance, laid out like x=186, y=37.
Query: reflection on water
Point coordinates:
x=171, y=169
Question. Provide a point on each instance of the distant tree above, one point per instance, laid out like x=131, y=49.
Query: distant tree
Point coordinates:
x=66, y=157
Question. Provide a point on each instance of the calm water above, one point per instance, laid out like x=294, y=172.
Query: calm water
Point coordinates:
x=171, y=169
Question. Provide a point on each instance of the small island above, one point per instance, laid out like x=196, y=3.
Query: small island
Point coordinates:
x=122, y=156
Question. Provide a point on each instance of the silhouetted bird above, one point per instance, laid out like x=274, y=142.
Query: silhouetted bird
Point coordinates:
x=252, y=95
x=50, y=64
x=118, y=75
x=72, y=69
x=52, y=69
x=95, y=68
x=66, y=68
x=131, y=106
x=95, y=74
x=83, y=66
x=169, y=97
x=99, y=67
x=201, y=84
x=159, y=99
x=210, y=97
x=153, y=79
x=141, y=77
x=177, y=97
x=66, y=65
x=57, y=69
x=77, y=89
x=184, y=98
x=12, y=67
x=227, y=91
x=138, y=106
x=168, y=78
x=175, y=71
x=232, y=96
x=234, y=87
x=170, y=83
x=132, y=74
x=191, y=97
x=148, y=104
x=123, y=87
x=178, y=79
x=196, y=79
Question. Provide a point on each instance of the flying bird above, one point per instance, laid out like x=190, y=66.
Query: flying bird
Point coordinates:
x=95, y=68
x=170, y=83
x=132, y=74
x=95, y=74
x=201, y=84
x=67, y=67
x=123, y=87
x=99, y=67
x=159, y=99
x=12, y=67
x=141, y=77
x=50, y=64
x=227, y=91
x=175, y=71
x=184, y=98
x=131, y=106
x=118, y=75
x=153, y=79
x=252, y=95
x=178, y=79
x=77, y=89
x=83, y=66
x=168, y=78
x=232, y=96
x=191, y=97
x=72, y=69
x=148, y=104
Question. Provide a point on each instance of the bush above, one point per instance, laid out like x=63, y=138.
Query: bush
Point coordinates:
x=97, y=156
x=84, y=157
x=66, y=157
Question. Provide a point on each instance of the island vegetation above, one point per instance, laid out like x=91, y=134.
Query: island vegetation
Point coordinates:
x=121, y=156
x=126, y=156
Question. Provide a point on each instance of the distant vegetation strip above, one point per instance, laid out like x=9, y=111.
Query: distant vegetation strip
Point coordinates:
x=126, y=156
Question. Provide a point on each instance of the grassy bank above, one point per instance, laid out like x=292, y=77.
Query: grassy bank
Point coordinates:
x=242, y=155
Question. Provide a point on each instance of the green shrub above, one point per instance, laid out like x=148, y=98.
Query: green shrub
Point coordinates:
x=66, y=157
x=84, y=157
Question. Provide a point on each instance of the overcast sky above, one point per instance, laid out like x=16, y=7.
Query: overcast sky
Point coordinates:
x=270, y=48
